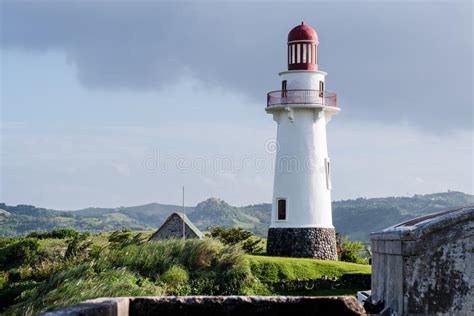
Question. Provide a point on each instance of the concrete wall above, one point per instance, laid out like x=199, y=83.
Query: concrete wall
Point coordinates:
x=425, y=266
x=215, y=305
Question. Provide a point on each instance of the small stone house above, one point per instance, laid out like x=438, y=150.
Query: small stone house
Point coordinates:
x=172, y=228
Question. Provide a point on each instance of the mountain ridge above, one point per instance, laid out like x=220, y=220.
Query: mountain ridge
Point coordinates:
x=355, y=218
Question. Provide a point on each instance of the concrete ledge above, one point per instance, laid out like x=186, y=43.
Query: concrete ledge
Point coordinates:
x=117, y=306
x=424, y=225
x=215, y=305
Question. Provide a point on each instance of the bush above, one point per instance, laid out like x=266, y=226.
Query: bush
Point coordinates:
x=125, y=237
x=121, y=236
x=23, y=251
x=250, y=243
x=175, y=281
x=350, y=251
x=3, y=279
x=9, y=293
x=78, y=246
x=175, y=275
x=55, y=234
x=200, y=254
x=5, y=241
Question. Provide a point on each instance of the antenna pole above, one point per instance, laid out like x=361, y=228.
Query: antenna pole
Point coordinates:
x=184, y=216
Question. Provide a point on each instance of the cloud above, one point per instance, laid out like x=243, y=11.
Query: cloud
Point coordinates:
x=389, y=62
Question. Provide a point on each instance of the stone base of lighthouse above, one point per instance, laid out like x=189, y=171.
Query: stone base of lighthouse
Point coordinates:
x=311, y=242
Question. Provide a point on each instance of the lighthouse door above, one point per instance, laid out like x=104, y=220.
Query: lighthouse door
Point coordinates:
x=321, y=89
x=281, y=209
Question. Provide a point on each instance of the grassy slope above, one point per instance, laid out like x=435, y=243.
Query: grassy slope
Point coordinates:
x=275, y=269
x=54, y=281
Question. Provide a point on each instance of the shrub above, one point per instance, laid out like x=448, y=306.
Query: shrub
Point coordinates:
x=78, y=246
x=200, y=254
x=5, y=241
x=10, y=292
x=121, y=236
x=3, y=279
x=351, y=251
x=175, y=275
x=250, y=243
x=125, y=237
x=23, y=251
x=175, y=281
x=61, y=233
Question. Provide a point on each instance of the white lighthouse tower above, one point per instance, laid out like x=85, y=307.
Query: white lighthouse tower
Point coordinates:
x=301, y=223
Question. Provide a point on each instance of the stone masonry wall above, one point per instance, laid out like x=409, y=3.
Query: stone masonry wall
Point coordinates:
x=438, y=276
x=173, y=229
x=425, y=266
x=313, y=242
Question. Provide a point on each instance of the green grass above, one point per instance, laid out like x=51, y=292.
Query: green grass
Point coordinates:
x=277, y=269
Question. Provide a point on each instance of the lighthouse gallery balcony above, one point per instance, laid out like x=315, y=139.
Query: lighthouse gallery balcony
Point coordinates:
x=315, y=98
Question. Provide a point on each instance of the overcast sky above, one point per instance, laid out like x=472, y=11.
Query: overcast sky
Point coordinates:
x=121, y=103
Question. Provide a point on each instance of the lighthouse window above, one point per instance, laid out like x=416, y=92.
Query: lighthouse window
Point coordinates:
x=304, y=53
x=292, y=54
x=298, y=55
x=328, y=174
x=281, y=209
x=289, y=54
x=315, y=59
x=310, y=55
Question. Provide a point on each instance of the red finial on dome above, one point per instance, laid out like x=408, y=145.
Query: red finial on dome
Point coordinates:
x=303, y=48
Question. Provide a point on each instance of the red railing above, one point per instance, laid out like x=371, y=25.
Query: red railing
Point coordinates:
x=306, y=97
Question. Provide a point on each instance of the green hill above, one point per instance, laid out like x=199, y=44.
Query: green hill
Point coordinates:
x=355, y=218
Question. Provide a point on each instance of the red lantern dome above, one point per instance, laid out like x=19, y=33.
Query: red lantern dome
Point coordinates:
x=303, y=48
x=302, y=32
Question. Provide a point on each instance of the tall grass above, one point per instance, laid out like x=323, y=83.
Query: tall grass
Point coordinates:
x=212, y=267
x=94, y=268
x=175, y=267
x=80, y=283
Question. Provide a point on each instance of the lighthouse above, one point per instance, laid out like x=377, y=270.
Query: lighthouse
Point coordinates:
x=301, y=221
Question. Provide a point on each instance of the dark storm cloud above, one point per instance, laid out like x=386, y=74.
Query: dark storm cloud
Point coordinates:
x=391, y=62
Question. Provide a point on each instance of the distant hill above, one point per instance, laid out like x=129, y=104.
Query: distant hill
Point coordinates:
x=355, y=218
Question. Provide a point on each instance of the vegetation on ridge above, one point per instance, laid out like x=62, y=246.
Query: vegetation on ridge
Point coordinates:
x=354, y=218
